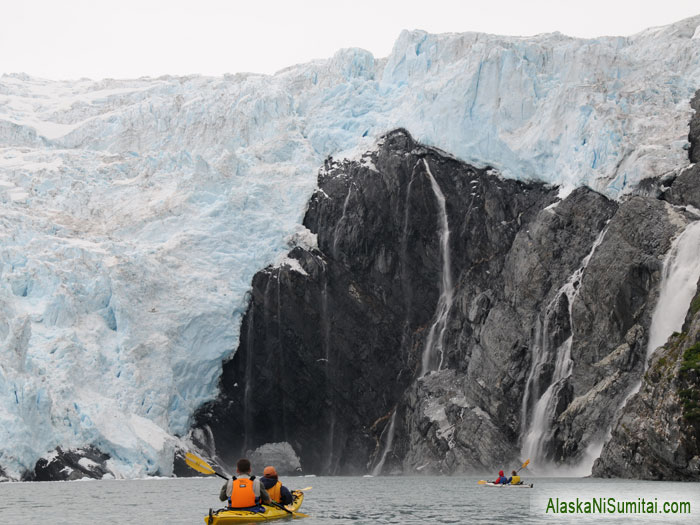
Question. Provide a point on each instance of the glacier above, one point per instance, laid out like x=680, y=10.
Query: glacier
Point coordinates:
x=134, y=213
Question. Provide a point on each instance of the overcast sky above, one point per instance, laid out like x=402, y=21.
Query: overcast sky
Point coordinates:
x=65, y=39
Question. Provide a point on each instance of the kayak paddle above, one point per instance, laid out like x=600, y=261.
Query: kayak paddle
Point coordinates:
x=483, y=481
x=292, y=512
x=198, y=464
x=524, y=465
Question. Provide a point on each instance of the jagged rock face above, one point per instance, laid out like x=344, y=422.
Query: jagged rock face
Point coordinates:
x=69, y=465
x=280, y=455
x=658, y=434
x=685, y=189
x=615, y=302
x=492, y=334
x=694, y=133
x=331, y=358
x=334, y=349
x=485, y=424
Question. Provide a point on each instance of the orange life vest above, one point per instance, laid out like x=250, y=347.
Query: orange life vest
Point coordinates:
x=275, y=492
x=242, y=494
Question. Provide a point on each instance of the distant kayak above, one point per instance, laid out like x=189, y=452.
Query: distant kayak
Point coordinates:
x=224, y=516
x=508, y=485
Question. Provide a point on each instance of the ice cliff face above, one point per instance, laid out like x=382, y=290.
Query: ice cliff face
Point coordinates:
x=135, y=213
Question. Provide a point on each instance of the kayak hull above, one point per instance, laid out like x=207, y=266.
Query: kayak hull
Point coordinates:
x=508, y=485
x=227, y=516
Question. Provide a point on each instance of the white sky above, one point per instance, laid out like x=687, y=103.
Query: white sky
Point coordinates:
x=65, y=39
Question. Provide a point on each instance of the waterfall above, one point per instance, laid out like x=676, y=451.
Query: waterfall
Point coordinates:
x=388, y=446
x=326, y=342
x=248, y=389
x=544, y=411
x=406, y=283
x=678, y=286
x=679, y=279
x=280, y=341
x=388, y=434
x=342, y=218
x=433, y=353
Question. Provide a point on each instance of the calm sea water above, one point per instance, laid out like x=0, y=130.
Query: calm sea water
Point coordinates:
x=339, y=500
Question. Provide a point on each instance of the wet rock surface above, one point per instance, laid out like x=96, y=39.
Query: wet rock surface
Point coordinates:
x=334, y=348
x=685, y=190
x=332, y=344
x=279, y=455
x=657, y=435
x=69, y=465
x=694, y=133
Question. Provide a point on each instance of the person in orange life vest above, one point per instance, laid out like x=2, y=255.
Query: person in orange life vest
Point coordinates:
x=243, y=491
x=275, y=489
x=501, y=478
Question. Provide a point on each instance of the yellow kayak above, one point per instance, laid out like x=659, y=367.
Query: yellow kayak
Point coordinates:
x=223, y=516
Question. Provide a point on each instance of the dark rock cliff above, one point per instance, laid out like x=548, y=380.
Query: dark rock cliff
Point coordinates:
x=684, y=189
x=694, y=133
x=538, y=343
x=69, y=465
x=658, y=433
x=332, y=348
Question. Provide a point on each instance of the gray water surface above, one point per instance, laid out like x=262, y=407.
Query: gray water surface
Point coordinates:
x=337, y=500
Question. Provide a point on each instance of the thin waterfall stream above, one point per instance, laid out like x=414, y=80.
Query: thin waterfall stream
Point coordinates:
x=388, y=445
x=326, y=342
x=434, y=351
x=544, y=411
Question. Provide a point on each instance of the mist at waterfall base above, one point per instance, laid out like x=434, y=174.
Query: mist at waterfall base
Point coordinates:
x=336, y=500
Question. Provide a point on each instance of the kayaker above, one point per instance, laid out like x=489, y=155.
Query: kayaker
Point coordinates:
x=274, y=487
x=502, y=480
x=243, y=491
x=515, y=479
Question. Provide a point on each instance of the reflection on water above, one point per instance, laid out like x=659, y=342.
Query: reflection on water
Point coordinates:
x=336, y=500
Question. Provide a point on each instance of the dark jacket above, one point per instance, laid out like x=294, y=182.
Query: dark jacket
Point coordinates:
x=285, y=495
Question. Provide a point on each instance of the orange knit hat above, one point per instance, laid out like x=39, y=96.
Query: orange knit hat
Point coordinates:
x=270, y=472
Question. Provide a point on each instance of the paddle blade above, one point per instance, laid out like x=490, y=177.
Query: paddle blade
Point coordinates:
x=526, y=464
x=300, y=515
x=481, y=482
x=305, y=488
x=198, y=464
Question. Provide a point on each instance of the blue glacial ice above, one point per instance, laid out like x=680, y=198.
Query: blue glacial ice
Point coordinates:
x=134, y=213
